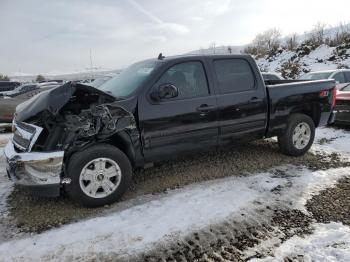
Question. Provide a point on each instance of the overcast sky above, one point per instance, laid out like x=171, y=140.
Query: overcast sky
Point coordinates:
x=40, y=36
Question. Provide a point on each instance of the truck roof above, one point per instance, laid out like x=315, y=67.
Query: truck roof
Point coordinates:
x=200, y=56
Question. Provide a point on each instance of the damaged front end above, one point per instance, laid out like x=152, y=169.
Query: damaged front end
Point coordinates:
x=53, y=125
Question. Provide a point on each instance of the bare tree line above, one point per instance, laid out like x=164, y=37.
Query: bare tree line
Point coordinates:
x=270, y=40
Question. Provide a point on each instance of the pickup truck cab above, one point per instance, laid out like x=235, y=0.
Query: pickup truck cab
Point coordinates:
x=88, y=141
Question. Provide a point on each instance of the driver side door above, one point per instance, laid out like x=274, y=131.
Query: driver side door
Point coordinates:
x=180, y=124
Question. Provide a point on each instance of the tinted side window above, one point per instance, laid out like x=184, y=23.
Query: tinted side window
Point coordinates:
x=234, y=75
x=188, y=77
x=339, y=77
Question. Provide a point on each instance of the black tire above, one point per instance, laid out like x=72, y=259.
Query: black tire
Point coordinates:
x=285, y=141
x=80, y=159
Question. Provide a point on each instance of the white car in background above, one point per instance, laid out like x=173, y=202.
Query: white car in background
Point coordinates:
x=271, y=76
x=341, y=76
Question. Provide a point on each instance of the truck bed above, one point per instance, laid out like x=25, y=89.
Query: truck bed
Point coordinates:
x=288, y=96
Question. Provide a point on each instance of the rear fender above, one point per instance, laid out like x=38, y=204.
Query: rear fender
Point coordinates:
x=278, y=123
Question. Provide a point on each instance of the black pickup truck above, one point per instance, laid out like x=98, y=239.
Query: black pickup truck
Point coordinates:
x=88, y=141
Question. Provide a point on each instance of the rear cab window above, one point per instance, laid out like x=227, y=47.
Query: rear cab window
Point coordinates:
x=234, y=75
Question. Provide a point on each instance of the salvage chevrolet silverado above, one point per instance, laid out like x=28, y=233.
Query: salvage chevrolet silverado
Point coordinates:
x=87, y=141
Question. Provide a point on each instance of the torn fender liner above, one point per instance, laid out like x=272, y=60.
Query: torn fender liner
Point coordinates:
x=102, y=120
x=54, y=99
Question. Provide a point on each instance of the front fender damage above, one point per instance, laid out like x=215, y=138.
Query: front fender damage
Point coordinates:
x=73, y=116
x=70, y=118
x=101, y=121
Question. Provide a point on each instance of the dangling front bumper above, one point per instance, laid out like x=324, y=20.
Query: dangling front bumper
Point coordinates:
x=39, y=172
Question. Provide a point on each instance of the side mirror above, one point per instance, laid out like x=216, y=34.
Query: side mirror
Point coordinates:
x=165, y=91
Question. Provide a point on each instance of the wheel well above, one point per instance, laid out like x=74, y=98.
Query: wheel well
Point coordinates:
x=123, y=143
x=311, y=110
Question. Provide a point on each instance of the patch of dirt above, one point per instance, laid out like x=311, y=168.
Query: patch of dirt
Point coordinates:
x=33, y=214
x=227, y=241
x=332, y=204
x=291, y=222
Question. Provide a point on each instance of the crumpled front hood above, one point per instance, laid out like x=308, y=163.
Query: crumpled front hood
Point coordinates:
x=54, y=99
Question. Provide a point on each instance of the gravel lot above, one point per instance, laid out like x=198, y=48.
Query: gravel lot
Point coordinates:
x=332, y=204
x=229, y=240
x=224, y=241
x=25, y=211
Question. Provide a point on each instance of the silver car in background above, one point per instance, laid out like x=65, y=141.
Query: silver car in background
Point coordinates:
x=11, y=99
x=267, y=76
x=341, y=76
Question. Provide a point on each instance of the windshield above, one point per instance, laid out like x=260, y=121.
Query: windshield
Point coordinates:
x=316, y=76
x=129, y=79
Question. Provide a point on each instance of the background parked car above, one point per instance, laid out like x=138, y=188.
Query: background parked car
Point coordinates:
x=21, y=90
x=101, y=80
x=271, y=76
x=343, y=106
x=87, y=81
x=59, y=81
x=8, y=103
x=49, y=84
x=8, y=86
x=341, y=76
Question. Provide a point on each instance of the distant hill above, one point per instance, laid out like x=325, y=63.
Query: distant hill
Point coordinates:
x=309, y=55
x=64, y=76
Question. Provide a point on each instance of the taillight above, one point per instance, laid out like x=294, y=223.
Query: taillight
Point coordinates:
x=333, y=94
x=324, y=93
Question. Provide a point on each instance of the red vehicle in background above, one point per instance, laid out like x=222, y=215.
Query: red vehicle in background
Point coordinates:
x=343, y=105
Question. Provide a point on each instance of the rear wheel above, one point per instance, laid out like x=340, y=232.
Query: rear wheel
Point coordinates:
x=99, y=175
x=299, y=136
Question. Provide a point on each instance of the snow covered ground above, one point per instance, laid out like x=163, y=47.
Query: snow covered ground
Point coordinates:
x=176, y=214
x=333, y=140
x=329, y=242
x=317, y=60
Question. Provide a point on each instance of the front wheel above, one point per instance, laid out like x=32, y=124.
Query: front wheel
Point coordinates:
x=99, y=175
x=299, y=135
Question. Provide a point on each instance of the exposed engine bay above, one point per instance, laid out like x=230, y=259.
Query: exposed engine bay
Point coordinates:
x=74, y=115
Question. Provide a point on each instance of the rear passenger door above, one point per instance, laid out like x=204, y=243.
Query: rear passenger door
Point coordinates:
x=184, y=123
x=242, y=102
